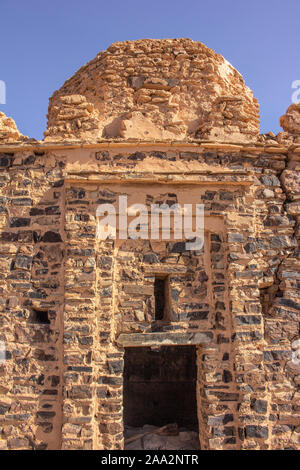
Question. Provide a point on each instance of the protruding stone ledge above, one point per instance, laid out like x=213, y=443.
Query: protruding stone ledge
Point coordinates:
x=164, y=339
x=191, y=179
x=133, y=144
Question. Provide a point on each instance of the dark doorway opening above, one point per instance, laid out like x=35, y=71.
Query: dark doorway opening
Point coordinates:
x=160, y=386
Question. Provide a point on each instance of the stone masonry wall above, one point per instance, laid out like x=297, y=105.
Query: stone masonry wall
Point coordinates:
x=66, y=297
x=32, y=296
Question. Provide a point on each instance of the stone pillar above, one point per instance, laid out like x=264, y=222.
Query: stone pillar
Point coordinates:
x=108, y=357
x=80, y=321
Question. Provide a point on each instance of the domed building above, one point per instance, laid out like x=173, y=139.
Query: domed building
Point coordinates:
x=168, y=89
x=150, y=261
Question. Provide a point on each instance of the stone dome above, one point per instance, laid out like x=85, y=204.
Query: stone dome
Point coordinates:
x=155, y=89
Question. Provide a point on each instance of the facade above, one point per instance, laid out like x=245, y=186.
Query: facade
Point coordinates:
x=83, y=320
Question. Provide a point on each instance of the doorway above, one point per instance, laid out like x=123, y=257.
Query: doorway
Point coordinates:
x=160, y=391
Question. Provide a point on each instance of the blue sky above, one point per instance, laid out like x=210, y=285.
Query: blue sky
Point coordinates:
x=43, y=43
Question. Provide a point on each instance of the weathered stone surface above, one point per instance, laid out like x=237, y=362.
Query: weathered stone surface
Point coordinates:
x=163, y=339
x=185, y=440
x=8, y=130
x=71, y=302
x=291, y=182
x=150, y=101
x=290, y=121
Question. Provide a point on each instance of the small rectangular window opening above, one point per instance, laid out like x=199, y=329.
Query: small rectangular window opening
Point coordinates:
x=161, y=296
x=40, y=316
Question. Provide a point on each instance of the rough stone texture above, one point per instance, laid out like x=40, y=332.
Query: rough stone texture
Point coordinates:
x=290, y=121
x=155, y=89
x=8, y=130
x=67, y=297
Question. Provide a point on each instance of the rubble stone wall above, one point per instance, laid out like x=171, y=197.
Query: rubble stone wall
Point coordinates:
x=32, y=299
x=159, y=121
x=67, y=296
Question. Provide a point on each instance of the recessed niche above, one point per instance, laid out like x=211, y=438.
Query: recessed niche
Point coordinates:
x=161, y=297
x=40, y=317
